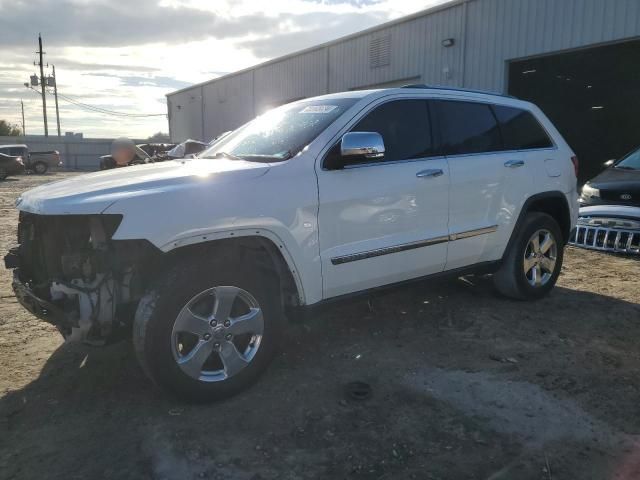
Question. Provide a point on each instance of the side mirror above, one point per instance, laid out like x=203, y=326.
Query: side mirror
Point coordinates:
x=609, y=163
x=362, y=146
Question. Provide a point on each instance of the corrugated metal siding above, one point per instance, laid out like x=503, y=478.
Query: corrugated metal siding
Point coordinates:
x=496, y=31
x=228, y=103
x=416, y=53
x=185, y=117
x=301, y=76
x=502, y=30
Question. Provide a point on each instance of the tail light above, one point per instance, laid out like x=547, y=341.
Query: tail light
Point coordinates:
x=576, y=165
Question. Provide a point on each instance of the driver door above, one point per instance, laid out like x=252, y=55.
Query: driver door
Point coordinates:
x=384, y=221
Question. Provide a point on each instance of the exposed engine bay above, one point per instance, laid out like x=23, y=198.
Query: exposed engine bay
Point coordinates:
x=70, y=273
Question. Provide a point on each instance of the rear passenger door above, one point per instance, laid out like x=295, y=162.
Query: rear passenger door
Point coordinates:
x=522, y=132
x=488, y=183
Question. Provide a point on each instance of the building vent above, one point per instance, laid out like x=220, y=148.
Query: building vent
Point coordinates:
x=380, y=51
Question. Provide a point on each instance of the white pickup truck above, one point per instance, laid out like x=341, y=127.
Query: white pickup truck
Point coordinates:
x=201, y=259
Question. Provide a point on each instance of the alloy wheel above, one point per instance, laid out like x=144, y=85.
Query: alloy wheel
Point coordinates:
x=217, y=333
x=540, y=258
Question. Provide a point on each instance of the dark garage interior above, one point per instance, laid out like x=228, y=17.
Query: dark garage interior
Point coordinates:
x=591, y=95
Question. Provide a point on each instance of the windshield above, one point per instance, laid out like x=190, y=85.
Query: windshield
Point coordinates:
x=630, y=162
x=177, y=151
x=282, y=132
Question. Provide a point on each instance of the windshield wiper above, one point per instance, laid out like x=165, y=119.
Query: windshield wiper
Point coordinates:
x=253, y=157
x=624, y=167
x=224, y=155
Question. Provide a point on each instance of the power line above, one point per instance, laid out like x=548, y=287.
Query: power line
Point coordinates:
x=107, y=111
x=101, y=110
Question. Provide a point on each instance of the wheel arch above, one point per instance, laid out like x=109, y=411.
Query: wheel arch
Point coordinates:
x=253, y=245
x=553, y=203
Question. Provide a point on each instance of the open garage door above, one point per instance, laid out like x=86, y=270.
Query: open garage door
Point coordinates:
x=591, y=95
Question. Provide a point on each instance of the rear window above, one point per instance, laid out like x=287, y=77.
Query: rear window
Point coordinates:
x=520, y=129
x=468, y=127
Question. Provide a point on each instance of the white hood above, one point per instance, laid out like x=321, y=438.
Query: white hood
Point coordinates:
x=95, y=192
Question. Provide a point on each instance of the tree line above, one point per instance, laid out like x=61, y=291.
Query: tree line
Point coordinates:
x=9, y=129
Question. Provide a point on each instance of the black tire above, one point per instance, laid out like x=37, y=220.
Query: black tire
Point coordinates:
x=40, y=168
x=3, y=174
x=158, y=311
x=511, y=280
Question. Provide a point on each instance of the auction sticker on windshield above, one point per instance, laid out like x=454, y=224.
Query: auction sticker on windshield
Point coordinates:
x=318, y=109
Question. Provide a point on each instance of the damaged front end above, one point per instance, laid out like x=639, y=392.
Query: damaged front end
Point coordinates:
x=69, y=272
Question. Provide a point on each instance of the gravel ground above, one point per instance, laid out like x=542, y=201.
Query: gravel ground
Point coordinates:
x=465, y=386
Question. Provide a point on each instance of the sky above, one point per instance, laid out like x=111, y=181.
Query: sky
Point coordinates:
x=125, y=55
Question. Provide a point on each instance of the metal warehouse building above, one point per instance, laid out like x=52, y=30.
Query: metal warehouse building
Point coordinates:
x=579, y=60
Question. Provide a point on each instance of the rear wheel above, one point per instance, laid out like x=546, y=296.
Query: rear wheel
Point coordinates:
x=3, y=173
x=208, y=332
x=532, y=265
x=40, y=168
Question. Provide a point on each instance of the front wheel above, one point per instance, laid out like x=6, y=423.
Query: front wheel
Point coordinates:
x=208, y=332
x=40, y=168
x=533, y=262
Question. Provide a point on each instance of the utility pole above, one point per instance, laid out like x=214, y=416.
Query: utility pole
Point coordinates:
x=43, y=87
x=55, y=94
x=24, y=130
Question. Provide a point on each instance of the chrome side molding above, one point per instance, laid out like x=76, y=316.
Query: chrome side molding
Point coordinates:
x=473, y=233
x=378, y=252
x=388, y=250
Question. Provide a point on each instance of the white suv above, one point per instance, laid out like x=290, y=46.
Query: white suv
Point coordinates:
x=318, y=199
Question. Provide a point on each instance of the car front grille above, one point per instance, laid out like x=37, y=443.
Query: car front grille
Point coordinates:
x=606, y=239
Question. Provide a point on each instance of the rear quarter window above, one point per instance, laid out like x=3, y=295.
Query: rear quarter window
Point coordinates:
x=520, y=129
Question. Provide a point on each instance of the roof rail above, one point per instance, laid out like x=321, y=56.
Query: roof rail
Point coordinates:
x=455, y=89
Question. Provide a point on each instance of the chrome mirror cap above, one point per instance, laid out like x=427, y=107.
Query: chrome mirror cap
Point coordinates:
x=362, y=144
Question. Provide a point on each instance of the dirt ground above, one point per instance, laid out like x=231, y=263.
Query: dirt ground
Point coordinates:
x=466, y=385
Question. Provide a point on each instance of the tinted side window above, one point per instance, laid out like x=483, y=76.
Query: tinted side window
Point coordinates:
x=468, y=127
x=520, y=129
x=404, y=126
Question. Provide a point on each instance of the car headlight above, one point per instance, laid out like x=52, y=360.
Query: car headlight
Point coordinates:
x=589, y=192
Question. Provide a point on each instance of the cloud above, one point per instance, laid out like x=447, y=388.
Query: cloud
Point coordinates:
x=144, y=81
x=356, y=3
x=312, y=29
x=120, y=22
x=125, y=55
x=68, y=64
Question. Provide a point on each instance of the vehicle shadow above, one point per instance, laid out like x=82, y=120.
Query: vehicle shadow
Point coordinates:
x=92, y=413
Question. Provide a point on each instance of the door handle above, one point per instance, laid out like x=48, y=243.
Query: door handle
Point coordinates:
x=430, y=173
x=514, y=163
